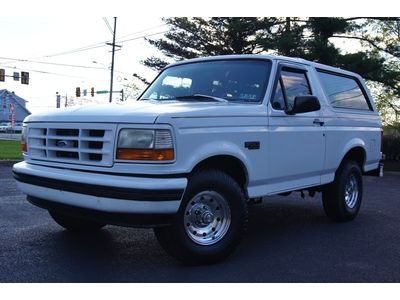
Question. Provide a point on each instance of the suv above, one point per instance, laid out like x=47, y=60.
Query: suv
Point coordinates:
x=207, y=137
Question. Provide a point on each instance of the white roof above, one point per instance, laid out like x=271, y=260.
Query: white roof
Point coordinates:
x=267, y=57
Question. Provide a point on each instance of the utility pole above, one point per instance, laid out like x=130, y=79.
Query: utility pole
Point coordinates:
x=112, y=58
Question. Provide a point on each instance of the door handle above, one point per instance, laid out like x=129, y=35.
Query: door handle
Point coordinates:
x=318, y=121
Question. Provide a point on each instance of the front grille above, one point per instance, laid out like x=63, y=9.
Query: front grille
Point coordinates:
x=89, y=144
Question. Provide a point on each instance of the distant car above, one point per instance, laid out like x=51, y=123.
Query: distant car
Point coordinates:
x=3, y=127
x=16, y=128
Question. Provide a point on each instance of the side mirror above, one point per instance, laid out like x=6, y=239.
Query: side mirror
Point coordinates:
x=303, y=104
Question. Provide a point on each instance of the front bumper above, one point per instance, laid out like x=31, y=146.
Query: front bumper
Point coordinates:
x=101, y=192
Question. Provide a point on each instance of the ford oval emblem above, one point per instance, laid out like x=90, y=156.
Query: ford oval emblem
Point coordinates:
x=62, y=144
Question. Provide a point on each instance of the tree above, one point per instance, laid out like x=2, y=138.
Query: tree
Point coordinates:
x=132, y=91
x=380, y=38
x=309, y=38
x=197, y=37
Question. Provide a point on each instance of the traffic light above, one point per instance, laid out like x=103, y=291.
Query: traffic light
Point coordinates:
x=16, y=76
x=25, y=77
x=2, y=75
x=92, y=91
x=78, y=92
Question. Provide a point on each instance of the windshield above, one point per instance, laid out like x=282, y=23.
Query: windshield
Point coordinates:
x=232, y=80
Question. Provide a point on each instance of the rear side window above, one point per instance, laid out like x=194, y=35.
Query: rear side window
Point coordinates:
x=343, y=91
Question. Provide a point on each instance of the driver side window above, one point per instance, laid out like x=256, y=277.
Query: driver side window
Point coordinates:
x=291, y=83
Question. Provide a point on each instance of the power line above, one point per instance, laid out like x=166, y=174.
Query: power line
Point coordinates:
x=77, y=50
x=46, y=72
x=85, y=48
x=94, y=46
x=55, y=64
x=104, y=44
x=100, y=44
x=50, y=63
x=143, y=36
x=144, y=30
x=108, y=25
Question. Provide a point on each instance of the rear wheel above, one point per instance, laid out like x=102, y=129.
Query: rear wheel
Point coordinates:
x=75, y=224
x=210, y=221
x=342, y=198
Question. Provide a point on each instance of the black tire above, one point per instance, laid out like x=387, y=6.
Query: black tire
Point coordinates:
x=214, y=200
x=75, y=224
x=342, y=199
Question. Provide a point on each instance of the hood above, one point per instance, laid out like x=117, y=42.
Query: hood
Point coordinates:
x=141, y=112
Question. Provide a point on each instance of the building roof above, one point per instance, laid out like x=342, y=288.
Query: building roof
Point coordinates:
x=16, y=99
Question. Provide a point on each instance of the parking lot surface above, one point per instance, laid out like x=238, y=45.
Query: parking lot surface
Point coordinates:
x=289, y=239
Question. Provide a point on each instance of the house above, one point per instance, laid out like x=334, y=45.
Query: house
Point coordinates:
x=8, y=102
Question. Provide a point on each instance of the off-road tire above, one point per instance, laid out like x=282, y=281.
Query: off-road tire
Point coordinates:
x=219, y=199
x=342, y=198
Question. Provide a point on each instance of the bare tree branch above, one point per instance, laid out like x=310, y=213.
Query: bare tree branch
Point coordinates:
x=372, y=18
x=372, y=43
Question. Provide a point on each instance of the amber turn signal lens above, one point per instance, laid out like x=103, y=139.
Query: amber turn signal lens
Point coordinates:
x=145, y=154
x=24, y=148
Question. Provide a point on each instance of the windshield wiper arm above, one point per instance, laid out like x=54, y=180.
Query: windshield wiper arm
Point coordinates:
x=201, y=97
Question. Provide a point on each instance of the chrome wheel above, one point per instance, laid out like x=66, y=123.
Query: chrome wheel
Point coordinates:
x=207, y=218
x=351, y=191
x=210, y=222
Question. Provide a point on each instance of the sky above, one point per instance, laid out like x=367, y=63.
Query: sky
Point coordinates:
x=41, y=46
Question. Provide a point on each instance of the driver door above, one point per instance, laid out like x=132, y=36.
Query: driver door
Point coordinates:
x=296, y=144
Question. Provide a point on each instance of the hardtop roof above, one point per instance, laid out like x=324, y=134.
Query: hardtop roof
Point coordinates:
x=267, y=57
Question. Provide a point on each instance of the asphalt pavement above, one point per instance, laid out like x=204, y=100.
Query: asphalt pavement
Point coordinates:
x=289, y=239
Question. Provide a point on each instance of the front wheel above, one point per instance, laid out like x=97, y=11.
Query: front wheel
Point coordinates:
x=342, y=198
x=210, y=221
x=75, y=224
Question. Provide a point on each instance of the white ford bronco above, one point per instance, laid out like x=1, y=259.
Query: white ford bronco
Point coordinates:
x=205, y=139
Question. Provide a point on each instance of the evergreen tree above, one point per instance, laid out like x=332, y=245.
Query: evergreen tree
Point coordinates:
x=379, y=62
x=197, y=37
x=309, y=38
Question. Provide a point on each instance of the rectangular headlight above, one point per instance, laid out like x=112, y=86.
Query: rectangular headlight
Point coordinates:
x=145, y=144
x=136, y=139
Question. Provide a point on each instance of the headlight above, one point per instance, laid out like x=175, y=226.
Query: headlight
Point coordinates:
x=136, y=139
x=145, y=144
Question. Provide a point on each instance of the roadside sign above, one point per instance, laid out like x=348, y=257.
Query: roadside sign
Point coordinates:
x=101, y=92
x=58, y=99
x=12, y=114
x=16, y=76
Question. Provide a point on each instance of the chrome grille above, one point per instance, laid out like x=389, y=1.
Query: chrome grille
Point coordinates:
x=88, y=144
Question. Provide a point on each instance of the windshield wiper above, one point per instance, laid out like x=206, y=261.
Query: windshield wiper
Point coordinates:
x=201, y=97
